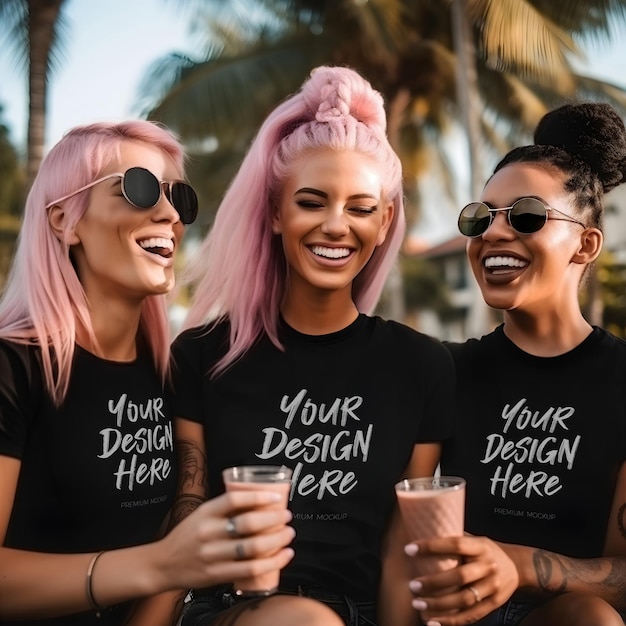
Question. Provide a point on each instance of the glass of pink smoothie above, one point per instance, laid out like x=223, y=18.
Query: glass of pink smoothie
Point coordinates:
x=259, y=478
x=432, y=507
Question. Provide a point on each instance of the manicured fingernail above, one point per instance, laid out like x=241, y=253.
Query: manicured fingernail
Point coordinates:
x=415, y=586
x=410, y=549
x=432, y=623
x=420, y=605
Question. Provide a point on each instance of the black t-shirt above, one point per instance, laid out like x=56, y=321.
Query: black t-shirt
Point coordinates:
x=97, y=473
x=540, y=440
x=343, y=410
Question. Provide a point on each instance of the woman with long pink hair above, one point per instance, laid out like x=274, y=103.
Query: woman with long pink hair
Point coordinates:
x=281, y=362
x=87, y=463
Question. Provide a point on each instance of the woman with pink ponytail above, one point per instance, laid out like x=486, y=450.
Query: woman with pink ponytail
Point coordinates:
x=87, y=465
x=282, y=362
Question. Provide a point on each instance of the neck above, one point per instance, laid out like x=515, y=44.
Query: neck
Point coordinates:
x=115, y=330
x=546, y=335
x=326, y=313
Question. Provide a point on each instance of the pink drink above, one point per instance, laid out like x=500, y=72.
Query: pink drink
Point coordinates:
x=432, y=507
x=259, y=478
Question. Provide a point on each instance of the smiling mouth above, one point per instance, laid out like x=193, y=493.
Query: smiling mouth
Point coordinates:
x=503, y=264
x=331, y=253
x=158, y=245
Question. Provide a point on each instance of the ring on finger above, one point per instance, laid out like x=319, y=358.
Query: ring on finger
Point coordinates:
x=231, y=528
x=474, y=593
x=240, y=554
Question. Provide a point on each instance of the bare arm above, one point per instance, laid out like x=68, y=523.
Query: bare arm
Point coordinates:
x=164, y=609
x=192, y=481
x=395, y=596
x=197, y=553
x=605, y=577
x=9, y=473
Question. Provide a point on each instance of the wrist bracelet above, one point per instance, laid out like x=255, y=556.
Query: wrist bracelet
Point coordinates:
x=92, y=601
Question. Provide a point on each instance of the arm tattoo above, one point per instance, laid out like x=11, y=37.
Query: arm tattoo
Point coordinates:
x=192, y=467
x=545, y=565
x=186, y=504
x=620, y=520
x=192, y=478
x=617, y=580
x=603, y=576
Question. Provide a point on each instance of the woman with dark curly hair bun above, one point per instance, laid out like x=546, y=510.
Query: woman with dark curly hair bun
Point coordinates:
x=541, y=400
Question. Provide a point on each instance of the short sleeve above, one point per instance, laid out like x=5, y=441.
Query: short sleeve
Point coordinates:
x=439, y=401
x=20, y=389
x=188, y=375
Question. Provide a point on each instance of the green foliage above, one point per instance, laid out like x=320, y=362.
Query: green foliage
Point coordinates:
x=611, y=276
x=12, y=191
x=12, y=183
x=425, y=287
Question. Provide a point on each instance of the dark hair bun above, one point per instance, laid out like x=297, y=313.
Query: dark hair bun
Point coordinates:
x=593, y=132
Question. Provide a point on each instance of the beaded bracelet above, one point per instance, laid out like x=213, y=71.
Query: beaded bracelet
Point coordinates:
x=92, y=601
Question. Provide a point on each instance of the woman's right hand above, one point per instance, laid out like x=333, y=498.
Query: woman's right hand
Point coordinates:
x=200, y=552
x=485, y=578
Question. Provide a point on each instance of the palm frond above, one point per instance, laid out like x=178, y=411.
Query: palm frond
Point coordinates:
x=585, y=18
x=14, y=31
x=516, y=36
x=590, y=88
x=221, y=96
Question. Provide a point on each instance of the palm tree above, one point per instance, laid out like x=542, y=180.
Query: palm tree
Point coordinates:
x=32, y=28
x=259, y=51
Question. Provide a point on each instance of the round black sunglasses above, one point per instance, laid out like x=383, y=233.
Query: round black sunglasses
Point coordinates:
x=526, y=216
x=142, y=189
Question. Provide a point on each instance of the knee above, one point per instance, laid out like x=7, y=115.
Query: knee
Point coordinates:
x=589, y=610
x=302, y=611
x=582, y=609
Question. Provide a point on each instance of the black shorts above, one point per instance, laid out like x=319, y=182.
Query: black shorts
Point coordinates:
x=205, y=607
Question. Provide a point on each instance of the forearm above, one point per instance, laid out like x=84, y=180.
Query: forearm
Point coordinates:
x=394, y=603
x=551, y=573
x=36, y=585
x=395, y=596
x=164, y=609
x=197, y=553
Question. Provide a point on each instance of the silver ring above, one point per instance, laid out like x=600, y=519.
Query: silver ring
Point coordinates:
x=240, y=555
x=231, y=528
x=474, y=592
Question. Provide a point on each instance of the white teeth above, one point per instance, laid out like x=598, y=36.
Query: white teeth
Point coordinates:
x=504, y=261
x=157, y=242
x=331, y=253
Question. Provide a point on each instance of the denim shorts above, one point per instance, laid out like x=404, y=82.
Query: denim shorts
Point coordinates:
x=205, y=608
x=509, y=614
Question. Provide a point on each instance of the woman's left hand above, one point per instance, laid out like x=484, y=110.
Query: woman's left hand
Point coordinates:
x=484, y=580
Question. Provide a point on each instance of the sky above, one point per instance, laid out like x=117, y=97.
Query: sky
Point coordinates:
x=110, y=45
